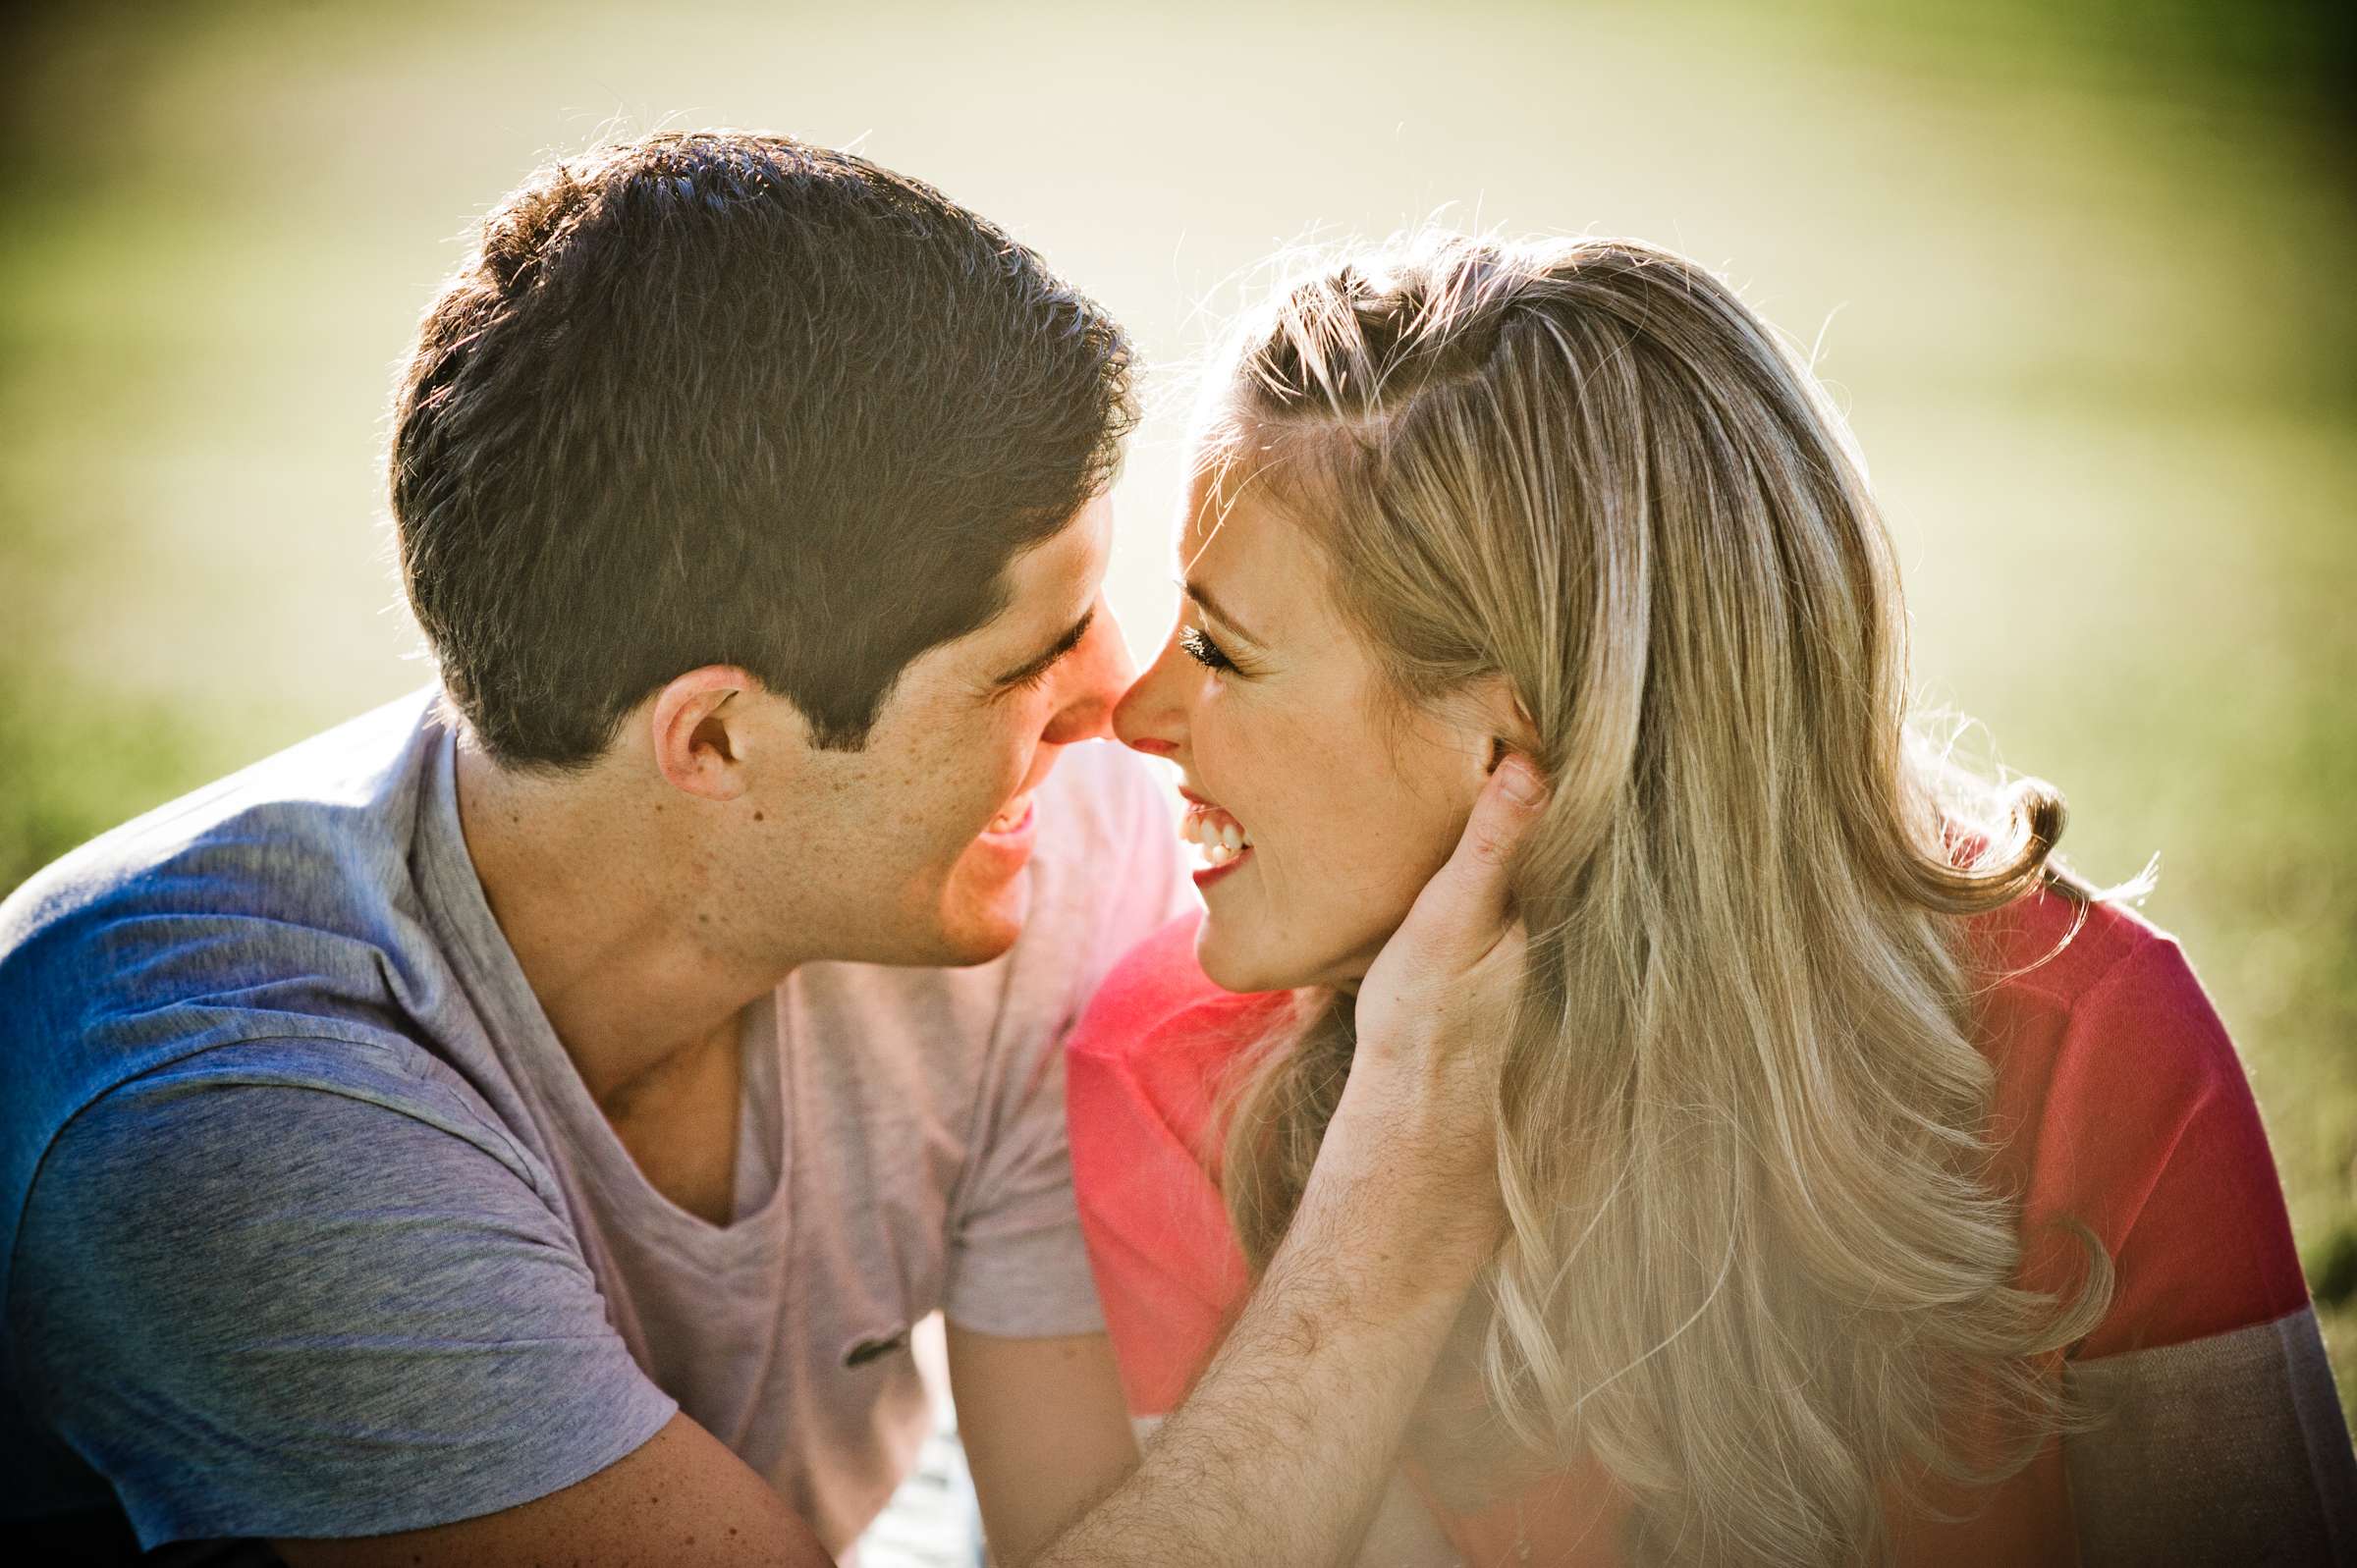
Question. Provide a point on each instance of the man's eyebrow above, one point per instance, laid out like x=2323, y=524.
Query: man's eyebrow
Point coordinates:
x=1201, y=595
x=1062, y=645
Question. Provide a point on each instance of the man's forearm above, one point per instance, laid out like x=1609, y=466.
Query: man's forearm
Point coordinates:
x=1280, y=1453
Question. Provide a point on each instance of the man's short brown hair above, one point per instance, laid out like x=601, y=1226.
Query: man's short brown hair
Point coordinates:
x=715, y=397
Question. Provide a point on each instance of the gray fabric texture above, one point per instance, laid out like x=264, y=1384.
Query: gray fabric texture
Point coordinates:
x=398, y=1269
x=2229, y=1450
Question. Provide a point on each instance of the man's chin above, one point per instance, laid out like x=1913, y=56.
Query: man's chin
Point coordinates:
x=977, y=926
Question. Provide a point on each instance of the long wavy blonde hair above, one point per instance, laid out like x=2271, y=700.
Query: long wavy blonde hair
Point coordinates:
x=1757, y=1269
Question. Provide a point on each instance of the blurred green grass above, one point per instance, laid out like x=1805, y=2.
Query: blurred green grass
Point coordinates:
x=2079, y=272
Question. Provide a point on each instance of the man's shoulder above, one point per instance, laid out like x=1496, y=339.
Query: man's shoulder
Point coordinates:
x=297, y=1098
x=267, y=905
x=231, y=845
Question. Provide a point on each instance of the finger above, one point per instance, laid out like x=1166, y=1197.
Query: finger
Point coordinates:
x=1458, y=916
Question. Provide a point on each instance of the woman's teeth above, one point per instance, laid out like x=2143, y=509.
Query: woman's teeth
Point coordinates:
x=1219, y=836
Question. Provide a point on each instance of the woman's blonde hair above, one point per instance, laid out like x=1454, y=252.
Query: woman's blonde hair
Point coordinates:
x=1757, y=1269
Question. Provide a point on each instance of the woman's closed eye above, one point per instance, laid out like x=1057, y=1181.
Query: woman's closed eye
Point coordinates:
x=1200, y=648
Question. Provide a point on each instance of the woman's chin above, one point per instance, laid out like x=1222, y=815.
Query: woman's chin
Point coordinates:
x=1236, y=965
x=1233, y=960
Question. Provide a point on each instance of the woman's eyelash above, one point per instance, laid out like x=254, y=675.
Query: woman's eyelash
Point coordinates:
x=1203, y=650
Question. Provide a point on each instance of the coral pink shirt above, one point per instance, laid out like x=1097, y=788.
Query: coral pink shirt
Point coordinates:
x=2120, y=1102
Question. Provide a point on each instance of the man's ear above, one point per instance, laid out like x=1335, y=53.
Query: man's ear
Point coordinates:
x=702, y=729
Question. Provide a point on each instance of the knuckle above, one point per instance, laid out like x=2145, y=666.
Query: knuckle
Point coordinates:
x=1489, y=846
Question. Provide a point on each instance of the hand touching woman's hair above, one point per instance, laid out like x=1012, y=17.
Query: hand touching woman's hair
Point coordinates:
x=1753, y=1263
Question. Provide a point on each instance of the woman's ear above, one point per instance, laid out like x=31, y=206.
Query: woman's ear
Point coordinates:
x=1497, y=716
x=1493, y=722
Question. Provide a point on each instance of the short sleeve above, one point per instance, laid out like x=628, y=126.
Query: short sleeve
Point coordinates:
x=2216, y=1433
x=1016, y=1267
x=2158, y=1145
x=276, y=1310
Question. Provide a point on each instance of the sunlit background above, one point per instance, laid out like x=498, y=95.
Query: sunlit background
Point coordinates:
x=2080, y=272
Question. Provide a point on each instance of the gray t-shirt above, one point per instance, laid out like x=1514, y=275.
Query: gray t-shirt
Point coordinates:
x=323, y=1237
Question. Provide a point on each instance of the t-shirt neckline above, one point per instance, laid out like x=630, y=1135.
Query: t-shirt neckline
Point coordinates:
x=520, y=1034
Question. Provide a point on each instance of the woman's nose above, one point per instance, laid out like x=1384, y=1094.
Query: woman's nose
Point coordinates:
x=1150, y=717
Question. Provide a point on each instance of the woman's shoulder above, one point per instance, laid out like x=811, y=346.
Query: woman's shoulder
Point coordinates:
x=2122, y=1105
x=2096, y=979
x=1152, y=1049
x=1144, y=1070
x=2061, y=941
x=1157, y=1001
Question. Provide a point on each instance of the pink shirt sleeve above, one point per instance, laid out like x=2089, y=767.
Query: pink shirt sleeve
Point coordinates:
x=2124, y=1106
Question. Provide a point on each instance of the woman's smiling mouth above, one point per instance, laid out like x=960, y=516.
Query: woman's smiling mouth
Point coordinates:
x=1224, y=841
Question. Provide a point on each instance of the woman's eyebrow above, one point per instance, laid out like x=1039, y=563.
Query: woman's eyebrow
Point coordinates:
x=1201, y=595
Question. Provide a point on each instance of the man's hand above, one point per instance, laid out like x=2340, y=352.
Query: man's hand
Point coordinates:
x=1432, y=1013
x=1282, y=1451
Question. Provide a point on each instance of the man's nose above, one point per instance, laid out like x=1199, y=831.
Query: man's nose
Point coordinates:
x=1100, y=671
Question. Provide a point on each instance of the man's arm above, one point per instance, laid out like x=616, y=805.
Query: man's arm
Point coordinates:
x=1278, y=1457
x=1045, y=1428
x=264, y=1307
x=1282, y=1452
x=681, y=1497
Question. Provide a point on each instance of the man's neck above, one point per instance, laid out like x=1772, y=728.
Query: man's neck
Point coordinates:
x=630, y=974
